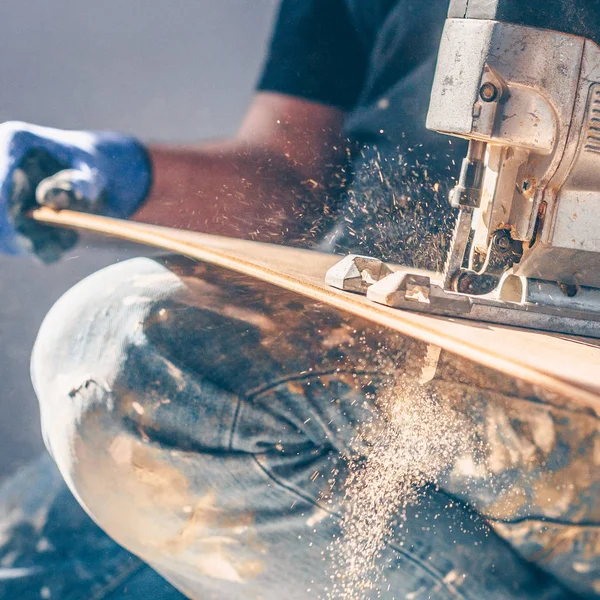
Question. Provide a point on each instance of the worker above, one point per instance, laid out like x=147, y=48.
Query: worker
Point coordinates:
x=206, y=424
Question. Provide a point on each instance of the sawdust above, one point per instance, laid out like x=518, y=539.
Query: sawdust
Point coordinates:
x=396, y=207
x=420, y=439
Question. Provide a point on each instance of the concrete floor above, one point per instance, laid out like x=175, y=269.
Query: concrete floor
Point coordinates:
x=162, y=73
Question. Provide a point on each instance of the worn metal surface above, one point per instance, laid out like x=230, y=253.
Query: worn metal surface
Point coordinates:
x=534, y=304
x=356, y=273
x=532, y=98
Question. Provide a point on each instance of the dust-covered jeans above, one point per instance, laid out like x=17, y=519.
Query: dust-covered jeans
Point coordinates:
x=206, y=422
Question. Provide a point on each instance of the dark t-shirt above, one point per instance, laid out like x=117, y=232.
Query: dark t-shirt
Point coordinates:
x=375, y=59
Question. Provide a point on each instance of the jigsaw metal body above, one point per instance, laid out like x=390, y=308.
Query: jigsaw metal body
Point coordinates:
x=522, y=83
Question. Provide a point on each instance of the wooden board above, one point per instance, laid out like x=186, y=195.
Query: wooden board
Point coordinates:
x=567, y=365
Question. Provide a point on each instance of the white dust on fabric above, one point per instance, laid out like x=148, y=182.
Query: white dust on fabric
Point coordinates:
x=420, y=440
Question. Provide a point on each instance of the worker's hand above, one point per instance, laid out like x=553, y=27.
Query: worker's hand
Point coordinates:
x=101, y=173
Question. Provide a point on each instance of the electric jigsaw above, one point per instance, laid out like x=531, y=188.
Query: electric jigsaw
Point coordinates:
x=521, y=82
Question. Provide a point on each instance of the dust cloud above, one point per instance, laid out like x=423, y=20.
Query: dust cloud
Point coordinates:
x=396, y=207
x=420, y=439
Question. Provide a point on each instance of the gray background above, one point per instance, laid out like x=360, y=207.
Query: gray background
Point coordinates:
x=164, y=70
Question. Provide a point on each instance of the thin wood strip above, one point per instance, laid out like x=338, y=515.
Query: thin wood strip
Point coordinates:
x=236, y=255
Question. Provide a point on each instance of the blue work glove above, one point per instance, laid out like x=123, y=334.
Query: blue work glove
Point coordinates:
x=100, y=173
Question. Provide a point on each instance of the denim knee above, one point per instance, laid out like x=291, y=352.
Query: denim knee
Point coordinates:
x=78, y=356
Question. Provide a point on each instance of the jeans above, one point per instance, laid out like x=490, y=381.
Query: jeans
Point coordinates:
x=206, y=423
x=50, y=548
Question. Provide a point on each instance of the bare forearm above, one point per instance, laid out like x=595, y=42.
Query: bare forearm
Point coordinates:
x=271, y=182
x=229, y=189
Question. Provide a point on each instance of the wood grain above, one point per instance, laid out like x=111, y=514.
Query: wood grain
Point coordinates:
x=563, y=364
